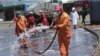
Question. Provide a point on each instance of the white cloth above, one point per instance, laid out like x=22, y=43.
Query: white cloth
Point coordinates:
x=74, y=17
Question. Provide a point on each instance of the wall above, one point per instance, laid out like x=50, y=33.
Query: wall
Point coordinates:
x=95, y=12
x=2, y=16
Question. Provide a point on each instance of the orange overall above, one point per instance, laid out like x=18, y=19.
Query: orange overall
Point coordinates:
x=21, y=24
x=63, y=26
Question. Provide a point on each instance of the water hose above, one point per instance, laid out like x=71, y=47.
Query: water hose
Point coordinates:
x=50, y=43
x=46, y=48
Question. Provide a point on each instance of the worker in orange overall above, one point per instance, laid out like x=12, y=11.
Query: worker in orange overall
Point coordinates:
x=31, y=20
x=21, y=24
x=62, y=24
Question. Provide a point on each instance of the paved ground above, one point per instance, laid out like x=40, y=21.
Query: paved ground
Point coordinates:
x=5, y=25
x=81, y=44
x=96, y=29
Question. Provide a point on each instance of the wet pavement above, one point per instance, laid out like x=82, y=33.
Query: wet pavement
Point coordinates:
x=81, y=44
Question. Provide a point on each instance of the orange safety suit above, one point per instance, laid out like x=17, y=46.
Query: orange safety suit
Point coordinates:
x=20, y=25
x=63, y=25
x=44, y=19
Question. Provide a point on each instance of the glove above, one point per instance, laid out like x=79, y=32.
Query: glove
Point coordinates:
x=51, y=27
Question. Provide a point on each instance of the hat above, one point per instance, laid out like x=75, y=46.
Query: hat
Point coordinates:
x=30, y=12
x=73, y=8
x=18, y=12
x=58, y=7
x=40, y=11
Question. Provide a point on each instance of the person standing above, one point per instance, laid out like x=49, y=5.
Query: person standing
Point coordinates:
x=31, y=20
x=63, y=26
x=74, y=17
x=84, y=13
x=44, y=18
x=21, y=25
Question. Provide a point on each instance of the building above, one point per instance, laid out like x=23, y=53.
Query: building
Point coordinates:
x=94, y=11
x=9, y=7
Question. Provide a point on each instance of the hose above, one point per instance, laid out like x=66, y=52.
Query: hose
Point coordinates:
x=46, y=48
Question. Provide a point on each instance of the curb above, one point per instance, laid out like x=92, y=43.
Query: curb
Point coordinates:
x=97, y=37
x=5, y=22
